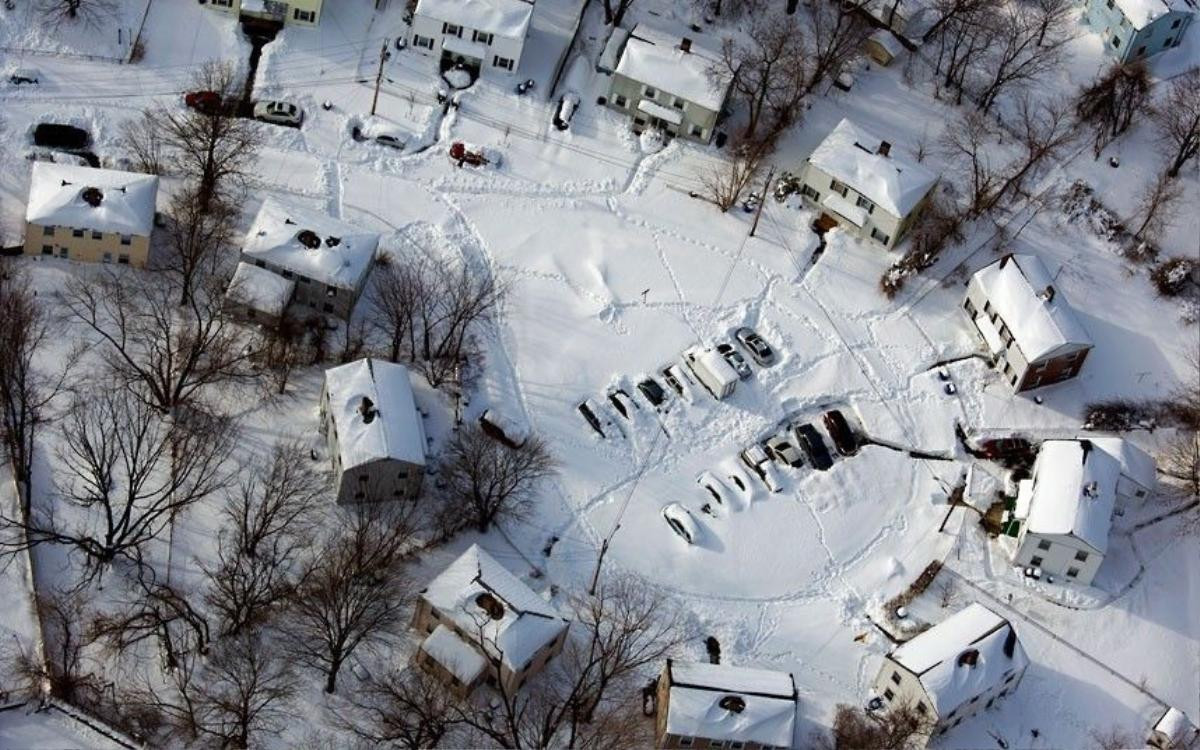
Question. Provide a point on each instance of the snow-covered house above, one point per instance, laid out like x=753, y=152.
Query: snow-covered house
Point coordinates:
x=485, y=625
x=1026, y=323
x=860, y=182
x=714, y=705
x=373, y=430
x=1173, y=731
x=1136, y=29
x=51, y=723
x=665, y=79
x=91, y=215
x=957, y=668
x=329, y=260
x=257, y=294
x=487, y=35
x=1065, y=508
x=301, y=12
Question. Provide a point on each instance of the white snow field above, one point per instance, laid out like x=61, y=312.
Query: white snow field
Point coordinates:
x=615, y=270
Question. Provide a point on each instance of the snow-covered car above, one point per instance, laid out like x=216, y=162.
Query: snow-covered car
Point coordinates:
x=23, y=76
x=566, y=110
x=770, y=477
x=622, y=402
x=681, y=522
x=740, y=483
x=760, y=350
x=735, y=360
x=715, y=488
x=784, y=451
x=503, y=428
x=385, y=133
x=279, y=113
x=594, y=415
x=652, y=391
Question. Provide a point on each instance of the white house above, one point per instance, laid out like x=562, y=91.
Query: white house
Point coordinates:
x=715, y=705
x=373, y=430
x=862, y=183
x=1026, y=323
x=328, y=259
x=300, y=12
x=487, y=35
x=1137, y=29
x=957, y=668
x=1066, y=507
x=1173, y=731
x=484, y=624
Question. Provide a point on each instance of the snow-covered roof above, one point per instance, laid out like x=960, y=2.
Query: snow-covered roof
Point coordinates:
x=1136, y=464
x=963, y=656
x=526, y=624
x=612, y=49
x=654, y=109
x=103, y=200
x=457, y=656
x=52, y=725
x=371, y=403
x=856, y=215
x=507, y=18
x=338, y=253
x=1142, y=13
x=260, y=289
x=653, y=57
x=886, y=39
x=1041, y=323
x=1175, y=727
x=716, y=365
x=767, y=703
x=850, y=154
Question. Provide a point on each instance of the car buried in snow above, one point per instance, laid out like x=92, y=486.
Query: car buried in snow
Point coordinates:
x=652, y=391
x=715, y=488
x=593, y=414
x=735, y=360
x=682, y=522
x=784, y=451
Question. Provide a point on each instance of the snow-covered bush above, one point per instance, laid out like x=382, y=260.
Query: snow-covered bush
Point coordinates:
x=1171, y=276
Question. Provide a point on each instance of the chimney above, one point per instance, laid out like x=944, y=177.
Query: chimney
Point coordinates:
x=685, y=45
x=1047, y=294
x=885, y=148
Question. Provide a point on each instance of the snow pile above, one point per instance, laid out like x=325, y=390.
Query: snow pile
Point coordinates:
x=102, y=200
x=459, y=78
x=375, y=417
x=851, y=154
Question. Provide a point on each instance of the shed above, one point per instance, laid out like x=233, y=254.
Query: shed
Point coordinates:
x=883, y=47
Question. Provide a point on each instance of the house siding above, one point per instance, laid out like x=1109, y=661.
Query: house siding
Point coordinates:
x=292, y=12
x=1060, y=557
x=87, y=248
x=429, y=27
x=632, y=92
x=1123, y=41
x=313, y=296
x=894, y=227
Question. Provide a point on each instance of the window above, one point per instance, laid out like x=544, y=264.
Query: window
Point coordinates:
x=1141, y=51
x=502, y=62
x=451, y=30
x=678, y=103
x=1044, y=544
x=921, y=707
x=685, y=741
x=47, y=231
x=77, y=232
x=47, y=250
x=1166, y=43
x=1116, y=42
x=63, y=252
x=697, y=131
x=287, y=274
x=648, y=92
x=1081, y=556
x=260, y=264
x=307, y=16
x=123, y=259
x=127, y=239
x=481, y=36
x=424, y=42
x=223, y=3
x=1035, y=561
x=896, y=677
x=809, y=193
x=1013, y=381
x=880, y=236
x=989, y=703
x=327, y=307
x=620, y=101
x=839, y=188
x=865, y=203
x=1110, y=4
x=331, y=291
x=96, y=235
x=716, y=743
x=888, y=694
x=736, y=745
x=969, y=307
x=108, y=257
x=1175, y=23
x=1072, y=572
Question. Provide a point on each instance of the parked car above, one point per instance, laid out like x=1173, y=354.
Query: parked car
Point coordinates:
x=760, y=350
x=622, y=402
x=279, y=113
x=739, y=483
x=653, y=392
x=715, y=488
x=782, y=449
x=58, y=135
x=813, y=447
x=566, y=110
x=384, y=133
x=501, y=427
x=735, y=360
x=845, y=439
x=23, y=76
x=770, y=477
x=677, y=377
x=594, y=415
x=208, y=102
x=754, y=457
x=681, y=522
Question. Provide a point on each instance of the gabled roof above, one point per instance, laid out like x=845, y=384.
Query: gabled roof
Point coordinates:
x=526, y=622
x=1142, y=13
x=260, y=289
x=506, y=18
x=1023, y=294
x=336, y=253
x=963, y=656
x=764, y=711
x=850, y=154
x=371, y=403
x=653, y=56
x=1175, y=726
x=1075, y=487
x=103, y=200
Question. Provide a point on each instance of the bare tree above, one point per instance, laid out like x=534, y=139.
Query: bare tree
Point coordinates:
x=165, y=352
x=1156, y=208
x=1180, y=460
x=402, y=708
x=1178, y=120
x=1111, y=101
x=899, y=728
x=1044, y=130
x=1113, y=738
x=126, y=475
x=142, y=138
x=280, y=351
x=155, y=610
x=62, y=668
x=26, y=389
x=487, y=481
x=725, y=181
x=837, y=33
x=198, y=240
x=963, y=32
x=396, y=294
x=351, y=589
x=91, y=14
x=246, y=692
x=768, y=71
x=1029, y=41
x=614, y=11
x=970, y=146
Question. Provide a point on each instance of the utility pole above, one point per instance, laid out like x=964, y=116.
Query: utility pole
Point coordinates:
x=599, y=562
x=383, y=56
x=762, y=201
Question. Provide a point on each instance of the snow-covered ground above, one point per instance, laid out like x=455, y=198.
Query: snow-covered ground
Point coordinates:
x=615, y=270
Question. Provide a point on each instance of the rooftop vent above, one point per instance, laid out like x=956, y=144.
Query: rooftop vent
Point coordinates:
x=288, y=221
x=885, y=149
x=367, y=410
x=685, y=45
x=1047, y=294
x=333, y=241
x=1091, y=489
x=308, y=238
x=489, y=604
x=92, y=196
x=968, y=658
x=733, y=703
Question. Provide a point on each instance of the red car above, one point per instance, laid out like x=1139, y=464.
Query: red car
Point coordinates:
x=207, y=102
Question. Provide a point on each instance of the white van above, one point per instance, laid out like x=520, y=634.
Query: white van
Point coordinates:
x=711, y=369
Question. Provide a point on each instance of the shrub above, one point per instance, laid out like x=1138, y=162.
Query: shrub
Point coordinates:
x=1172, y=276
